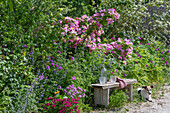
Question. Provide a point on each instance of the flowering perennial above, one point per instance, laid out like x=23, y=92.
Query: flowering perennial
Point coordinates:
x=61, y=105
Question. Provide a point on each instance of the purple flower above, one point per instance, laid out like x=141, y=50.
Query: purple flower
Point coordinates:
x=140, y=56
x=166, y=62
x=60, y=68
x=54, y=23
x=74, y=94
x=65, y=91
x=116, y=70
x=135, y=52
x=137, y=48
x=59, y=52
x=41, y=77
x=69, y=93
x=25, y=46
x=136, y=62
x=141, y=43
x=72, y=91
x=72, y=86
x=151, y=61
x=139, y=38
x=52, y=64
x=125, y=75
x=75, y=89
x=113, y=52
x=162, y=52
x=146, y=65
x=53, y=71
x=72, y=58
x=153, y=46
x=156, y=49
x=79, y=89
x=83, y=95
x=56, y=65
x=52, y=57
x=73, y=78
x=113, y=38
x=161, y=58
x=60, y=21
x=12, y=51
x=80, y=96
x=59, y=87
x=168, y=51
x=147, y=43
x=47, y=67
x=36, y=36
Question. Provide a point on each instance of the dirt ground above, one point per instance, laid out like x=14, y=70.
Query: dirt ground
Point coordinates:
x=160, y=104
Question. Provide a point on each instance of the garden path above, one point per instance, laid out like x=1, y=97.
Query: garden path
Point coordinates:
x=160, y=104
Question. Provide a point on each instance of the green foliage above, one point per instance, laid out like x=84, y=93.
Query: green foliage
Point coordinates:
x=77, y=8
x=117, y=99
x=149, y=20
x=148, y=63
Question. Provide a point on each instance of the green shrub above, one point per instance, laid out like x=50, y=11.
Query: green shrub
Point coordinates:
x=149, y=62
x=148, y=20
x=117, y=99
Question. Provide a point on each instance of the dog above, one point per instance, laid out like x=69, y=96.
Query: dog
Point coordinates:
x=145, y=92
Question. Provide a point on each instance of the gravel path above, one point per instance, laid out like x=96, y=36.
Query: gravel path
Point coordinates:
x=160, y=104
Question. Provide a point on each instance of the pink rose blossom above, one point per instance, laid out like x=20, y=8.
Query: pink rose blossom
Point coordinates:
x=84, y=16
x=111, y=11
x=102, y=10
x=117, y=16
x=102, y=14
x=119, y=40
x=109, y=20
x=98, y=39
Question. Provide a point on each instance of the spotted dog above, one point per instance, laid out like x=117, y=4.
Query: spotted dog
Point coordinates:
x=145, y=92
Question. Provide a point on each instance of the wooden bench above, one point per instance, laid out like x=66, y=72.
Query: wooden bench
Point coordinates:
x=101, y=92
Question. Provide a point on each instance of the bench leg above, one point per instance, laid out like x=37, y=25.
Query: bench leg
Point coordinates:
x=130, y=91
x=101, y=97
